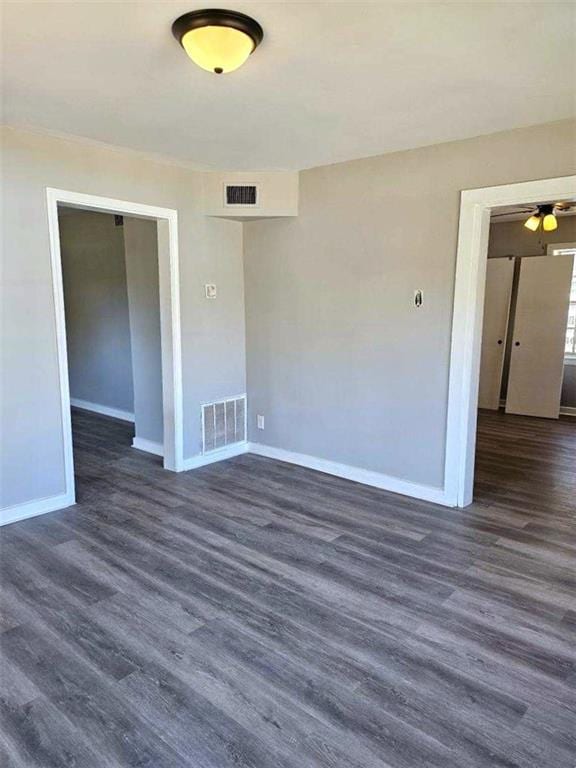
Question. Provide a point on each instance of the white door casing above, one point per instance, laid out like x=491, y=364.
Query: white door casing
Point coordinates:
x=168, y=265
x=467, y=316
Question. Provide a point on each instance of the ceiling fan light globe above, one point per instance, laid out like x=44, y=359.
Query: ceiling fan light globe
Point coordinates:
x=549, y=223
x=533, y=223
x=218, y=49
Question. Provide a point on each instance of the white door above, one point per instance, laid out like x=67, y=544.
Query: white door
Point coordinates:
x=499, y=276
x=537, y=359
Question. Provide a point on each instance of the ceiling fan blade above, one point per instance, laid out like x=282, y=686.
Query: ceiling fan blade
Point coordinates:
x=512, y=213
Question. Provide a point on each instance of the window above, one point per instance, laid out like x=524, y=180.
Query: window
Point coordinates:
x=570, y=343
x=570, y=348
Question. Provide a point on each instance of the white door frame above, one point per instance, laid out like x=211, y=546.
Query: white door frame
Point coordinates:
x=473, y=233
x=169, y=283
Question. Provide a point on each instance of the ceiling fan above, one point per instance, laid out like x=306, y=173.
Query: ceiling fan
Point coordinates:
x=542, y=215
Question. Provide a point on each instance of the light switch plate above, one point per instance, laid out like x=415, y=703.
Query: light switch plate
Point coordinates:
x=210, y=289
x=260, y=421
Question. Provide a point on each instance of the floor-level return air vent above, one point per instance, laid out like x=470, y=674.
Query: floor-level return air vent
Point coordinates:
x=241, y=194
x=223, y=423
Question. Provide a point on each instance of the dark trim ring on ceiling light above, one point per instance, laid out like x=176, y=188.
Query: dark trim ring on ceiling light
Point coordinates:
x=216, y=17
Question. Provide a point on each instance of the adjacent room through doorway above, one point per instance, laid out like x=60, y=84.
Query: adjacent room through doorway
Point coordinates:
x=526, y=436
x=110, y=280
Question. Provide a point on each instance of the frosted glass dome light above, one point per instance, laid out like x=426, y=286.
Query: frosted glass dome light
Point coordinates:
x=218, y=41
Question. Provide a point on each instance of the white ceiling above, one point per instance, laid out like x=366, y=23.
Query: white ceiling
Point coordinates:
x=332, y=81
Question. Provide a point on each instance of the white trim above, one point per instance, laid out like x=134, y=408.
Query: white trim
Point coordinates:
x=148, y=445
x=167, y=219
x=570, y=361
x=104, y=410
x=201, y=459
x=467, y=320
x=170, y=331
x=36, y=507
x=62, y=352
x=365, y=476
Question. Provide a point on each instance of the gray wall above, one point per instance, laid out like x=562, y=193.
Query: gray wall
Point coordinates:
x=141, y=248
x=510, y=238
x=339, y=361
x=96, y=302
x=213, y=339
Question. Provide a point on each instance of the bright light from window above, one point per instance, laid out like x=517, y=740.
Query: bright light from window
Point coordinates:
x=570, y=345
x=570, y=348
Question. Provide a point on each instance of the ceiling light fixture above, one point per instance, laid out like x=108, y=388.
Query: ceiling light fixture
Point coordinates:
x=217, y=40
x=544, y=216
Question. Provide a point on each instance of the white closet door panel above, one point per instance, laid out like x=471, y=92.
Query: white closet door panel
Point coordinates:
x=537, y=360
x=499, y=276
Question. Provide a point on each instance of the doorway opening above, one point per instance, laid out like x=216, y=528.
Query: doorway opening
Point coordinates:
x=117, y=322
x=525, y=444
x=467, y=326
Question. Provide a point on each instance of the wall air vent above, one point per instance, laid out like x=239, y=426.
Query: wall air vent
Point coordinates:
x=244, y=195
x=223, y=423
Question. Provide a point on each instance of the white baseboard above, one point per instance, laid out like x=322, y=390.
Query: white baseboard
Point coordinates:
x=148, y=445
x=34, y=508
x=104, y=410
x=202, y=459
x=365, y=476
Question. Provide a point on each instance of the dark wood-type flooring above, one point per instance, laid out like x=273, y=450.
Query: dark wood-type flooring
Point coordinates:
x=257, y=614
